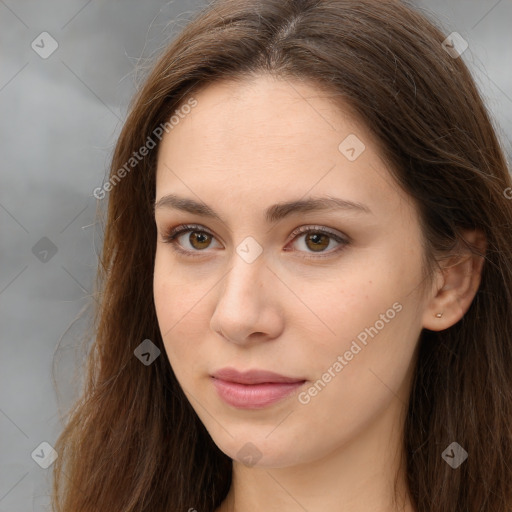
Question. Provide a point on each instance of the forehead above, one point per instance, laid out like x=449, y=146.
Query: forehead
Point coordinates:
x=262, y=137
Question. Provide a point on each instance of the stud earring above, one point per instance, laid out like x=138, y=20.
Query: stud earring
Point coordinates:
x=439, y=315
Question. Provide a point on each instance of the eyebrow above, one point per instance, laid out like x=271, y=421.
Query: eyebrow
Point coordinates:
x=273, y=213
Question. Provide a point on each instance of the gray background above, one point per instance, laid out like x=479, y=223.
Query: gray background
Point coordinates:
x=59, y=120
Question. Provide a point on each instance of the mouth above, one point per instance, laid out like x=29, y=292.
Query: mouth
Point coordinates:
x=254, y=389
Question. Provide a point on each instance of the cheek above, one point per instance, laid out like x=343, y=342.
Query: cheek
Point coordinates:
x=164, y=296
x=176, y=311
x=369, y=318
x=176, y=294
x=343, y=307
x=362, y=371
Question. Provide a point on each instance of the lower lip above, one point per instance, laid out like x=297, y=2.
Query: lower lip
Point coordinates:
x=254, y=396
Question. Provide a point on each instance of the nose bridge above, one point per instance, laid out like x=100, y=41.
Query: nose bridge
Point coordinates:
x=241, y=308
x=242, y=280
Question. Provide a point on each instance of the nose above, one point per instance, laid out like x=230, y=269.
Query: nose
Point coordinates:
x=247, y=309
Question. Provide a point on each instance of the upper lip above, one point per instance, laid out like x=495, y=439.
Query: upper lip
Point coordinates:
x=252, y=376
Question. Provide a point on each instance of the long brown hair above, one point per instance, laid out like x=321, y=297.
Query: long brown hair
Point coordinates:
x=132, y=441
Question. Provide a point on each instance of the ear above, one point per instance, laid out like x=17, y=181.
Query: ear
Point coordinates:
x=456, y=284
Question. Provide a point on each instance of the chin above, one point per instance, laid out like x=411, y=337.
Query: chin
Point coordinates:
x=255, y=448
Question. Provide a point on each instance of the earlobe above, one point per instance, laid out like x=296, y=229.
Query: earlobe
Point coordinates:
x=460, y=277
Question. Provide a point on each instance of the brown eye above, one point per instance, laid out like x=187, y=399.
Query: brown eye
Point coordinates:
x=200, y=238
x=193, y=241
x=317, y=241
x=313, y=239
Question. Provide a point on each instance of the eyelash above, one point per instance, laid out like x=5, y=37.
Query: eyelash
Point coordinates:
x=171, y=236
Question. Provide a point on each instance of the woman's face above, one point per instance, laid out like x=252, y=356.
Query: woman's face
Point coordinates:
x=337, y=310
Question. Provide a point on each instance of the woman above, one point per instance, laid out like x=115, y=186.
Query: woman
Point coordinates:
x=305, y=285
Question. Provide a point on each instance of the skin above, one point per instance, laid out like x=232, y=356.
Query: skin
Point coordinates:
x=247, y=146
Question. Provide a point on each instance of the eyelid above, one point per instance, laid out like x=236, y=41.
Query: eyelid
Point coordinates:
x=171, y=236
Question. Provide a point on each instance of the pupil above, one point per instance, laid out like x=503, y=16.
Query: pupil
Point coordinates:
x=316, y=239
x=201, y=238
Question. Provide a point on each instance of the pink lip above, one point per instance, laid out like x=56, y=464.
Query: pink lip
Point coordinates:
x=253, y=389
